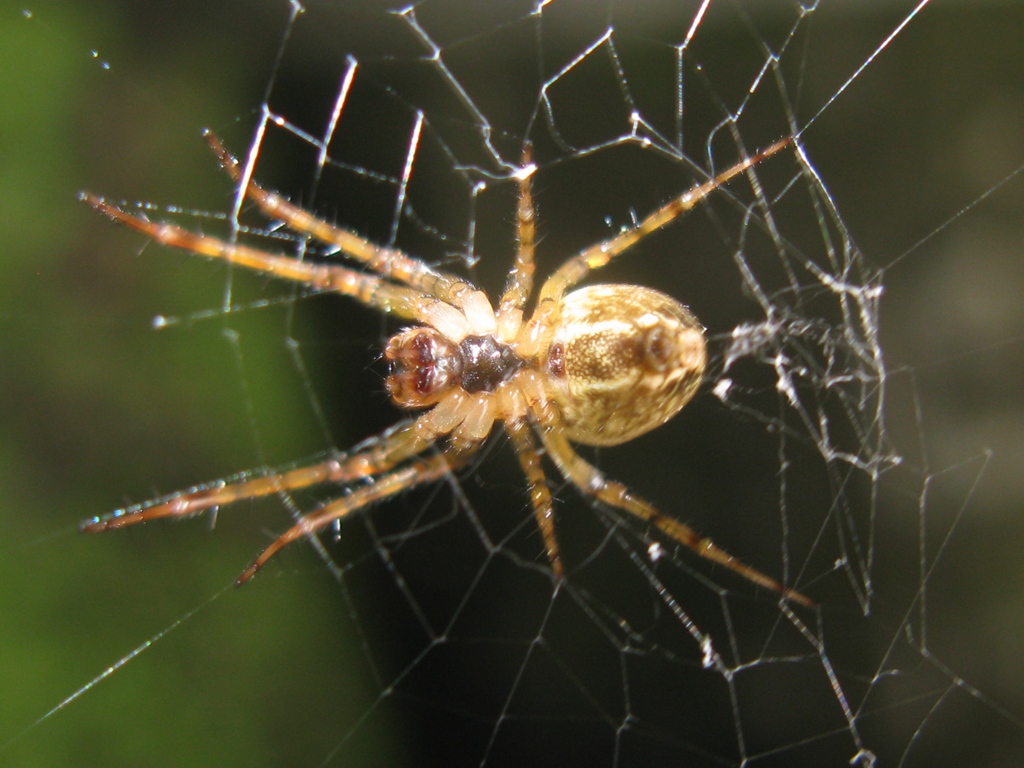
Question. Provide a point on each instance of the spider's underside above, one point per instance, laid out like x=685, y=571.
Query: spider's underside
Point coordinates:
x=598, y=365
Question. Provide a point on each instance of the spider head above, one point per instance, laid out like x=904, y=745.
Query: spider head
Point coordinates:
x=625, y=360
x=424, y=366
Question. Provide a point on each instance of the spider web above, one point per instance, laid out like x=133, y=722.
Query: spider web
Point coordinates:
x=830, y=446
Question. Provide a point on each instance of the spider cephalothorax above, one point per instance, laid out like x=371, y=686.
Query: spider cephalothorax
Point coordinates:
x=424, y=365
x=598, y=365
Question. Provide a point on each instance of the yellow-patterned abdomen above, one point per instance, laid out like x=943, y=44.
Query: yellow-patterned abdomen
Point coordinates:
x=624, y=359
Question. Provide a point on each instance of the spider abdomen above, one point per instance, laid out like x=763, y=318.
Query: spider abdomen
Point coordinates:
x=625, y=359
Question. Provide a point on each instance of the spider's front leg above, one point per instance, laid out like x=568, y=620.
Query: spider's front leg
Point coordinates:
x=371, y=290
x=418, y=472
x=455, y=414
x=423, y=374
x=383, y=453
x=389, y=263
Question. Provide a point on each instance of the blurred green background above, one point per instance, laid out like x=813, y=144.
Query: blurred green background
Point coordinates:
x=97, y=409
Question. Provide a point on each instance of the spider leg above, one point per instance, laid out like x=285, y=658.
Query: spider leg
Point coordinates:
x=369, y=289
x=599, y=254
x=588, y=479
x=540, y=495
x=419, y=472
x=389, y=263
x=520, y=278
x=385, y=452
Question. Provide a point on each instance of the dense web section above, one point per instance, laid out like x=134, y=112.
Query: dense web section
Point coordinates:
x=411, y=133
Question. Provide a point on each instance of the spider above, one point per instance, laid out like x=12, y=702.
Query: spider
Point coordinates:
x=595, y=366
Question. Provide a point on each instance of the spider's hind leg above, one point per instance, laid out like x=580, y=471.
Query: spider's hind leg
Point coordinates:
x=591, y=482
x=599, y=254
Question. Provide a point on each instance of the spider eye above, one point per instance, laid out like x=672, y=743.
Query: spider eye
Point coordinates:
x=659, y=348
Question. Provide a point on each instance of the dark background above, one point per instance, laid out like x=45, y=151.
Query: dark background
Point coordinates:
x=98, y=409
